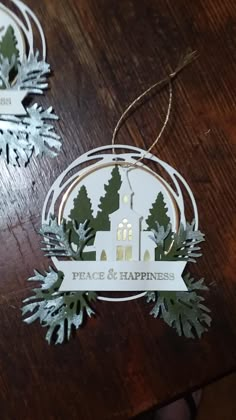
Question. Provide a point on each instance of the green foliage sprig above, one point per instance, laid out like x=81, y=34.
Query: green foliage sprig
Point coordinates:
x=57, y=238
x=184, y=311
x=59, y=311
x=184, y=244
x=20, y=137
x=32, y=74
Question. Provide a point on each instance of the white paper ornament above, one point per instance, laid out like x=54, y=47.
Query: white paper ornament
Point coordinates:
x=139, y=187
x=114, y=221
x=23, y=72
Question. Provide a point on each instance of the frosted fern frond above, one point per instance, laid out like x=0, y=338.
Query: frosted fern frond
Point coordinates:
x=6, y=67
x=32, y=74
x=22, y=136
x=160, y=234
x=184, y=311
x=184, y=243
x=60, y=312
x=57, y=238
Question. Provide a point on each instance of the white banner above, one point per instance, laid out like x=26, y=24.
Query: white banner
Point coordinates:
x=121, y=276
x=11, y=102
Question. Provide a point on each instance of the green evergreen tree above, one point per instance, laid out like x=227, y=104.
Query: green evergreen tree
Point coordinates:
x=8, y=49
x=81, y=212
x=8, y=44
x=158, y=213
x=82, y=209
x=110, y=202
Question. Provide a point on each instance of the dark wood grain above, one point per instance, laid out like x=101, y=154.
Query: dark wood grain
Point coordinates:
x=104, y=53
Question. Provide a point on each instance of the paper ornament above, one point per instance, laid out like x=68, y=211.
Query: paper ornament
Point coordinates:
x=23, y=73
x=115, y=229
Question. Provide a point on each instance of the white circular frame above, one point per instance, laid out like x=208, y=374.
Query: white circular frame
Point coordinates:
x=132, y=157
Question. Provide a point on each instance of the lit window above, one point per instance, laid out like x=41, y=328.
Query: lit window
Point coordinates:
x=128, y=253
x=119, y=234
x=130, y=232
x=125, y=199
x=119, y=253
x=124, y=231
x=103, y=256
x=124, y=253
x=124, y=236
x=147, y=256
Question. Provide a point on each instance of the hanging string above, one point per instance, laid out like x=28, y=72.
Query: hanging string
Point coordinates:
x=183, y=62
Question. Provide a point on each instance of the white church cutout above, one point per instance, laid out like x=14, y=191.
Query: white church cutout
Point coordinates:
x=126, y=241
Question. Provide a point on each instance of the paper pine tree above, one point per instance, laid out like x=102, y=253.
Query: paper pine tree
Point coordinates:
x=8, y=44
x=8, y=56
x=82, y=207
x=158, y=213
x=82, y=210
x=110, y=202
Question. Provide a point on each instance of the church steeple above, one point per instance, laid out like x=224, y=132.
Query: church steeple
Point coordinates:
x=125, y=191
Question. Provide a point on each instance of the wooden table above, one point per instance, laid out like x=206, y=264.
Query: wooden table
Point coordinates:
x=104, y=53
